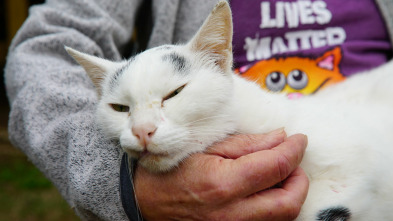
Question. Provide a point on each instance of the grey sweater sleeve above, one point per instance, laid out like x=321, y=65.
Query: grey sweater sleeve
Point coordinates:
x=52, y=100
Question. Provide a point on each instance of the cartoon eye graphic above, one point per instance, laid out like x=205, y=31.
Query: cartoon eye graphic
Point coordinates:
x=275, y=81
x=297, y=79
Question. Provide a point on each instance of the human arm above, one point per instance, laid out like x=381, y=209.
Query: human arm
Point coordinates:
x=53, y=101
x=231, y=182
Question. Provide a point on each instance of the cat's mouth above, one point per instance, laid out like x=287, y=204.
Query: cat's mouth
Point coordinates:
x=150, y=155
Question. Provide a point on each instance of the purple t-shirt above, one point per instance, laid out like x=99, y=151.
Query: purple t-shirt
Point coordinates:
x=292, y=36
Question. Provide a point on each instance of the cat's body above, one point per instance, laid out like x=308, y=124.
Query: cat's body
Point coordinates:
x=350, y=151
x=171, y=101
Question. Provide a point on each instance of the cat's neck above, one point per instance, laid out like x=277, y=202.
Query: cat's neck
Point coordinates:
x=275, y=108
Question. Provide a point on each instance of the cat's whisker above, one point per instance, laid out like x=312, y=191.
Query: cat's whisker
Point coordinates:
x=206, y=129
x=204, y=119
x=258, y=79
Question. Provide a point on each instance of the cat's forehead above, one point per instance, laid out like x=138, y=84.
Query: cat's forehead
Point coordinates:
x=163, y=61
x=172, y=55
x=161, y=68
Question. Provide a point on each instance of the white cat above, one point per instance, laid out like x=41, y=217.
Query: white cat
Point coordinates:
x=171, y=101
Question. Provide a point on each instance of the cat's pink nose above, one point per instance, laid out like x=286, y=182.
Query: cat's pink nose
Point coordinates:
x=144, y=133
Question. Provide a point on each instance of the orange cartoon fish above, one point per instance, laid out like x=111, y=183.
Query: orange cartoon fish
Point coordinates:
x=296, y=76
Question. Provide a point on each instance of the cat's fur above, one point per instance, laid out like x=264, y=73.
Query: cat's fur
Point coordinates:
x=349, y=125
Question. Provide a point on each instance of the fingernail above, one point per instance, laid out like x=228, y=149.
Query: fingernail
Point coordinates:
x=306, y=137
x=277, y=131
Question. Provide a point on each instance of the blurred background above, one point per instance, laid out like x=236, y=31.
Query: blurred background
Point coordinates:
x=25, y=194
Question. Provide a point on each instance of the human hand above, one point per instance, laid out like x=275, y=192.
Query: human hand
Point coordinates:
x=233, y=180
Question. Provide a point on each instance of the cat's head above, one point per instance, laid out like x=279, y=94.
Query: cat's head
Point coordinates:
x=169, y=101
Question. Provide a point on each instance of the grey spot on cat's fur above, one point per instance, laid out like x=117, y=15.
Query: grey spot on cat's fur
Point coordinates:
x=338, y=213
x=178, y=61
x=165, y=47
x=119, y=72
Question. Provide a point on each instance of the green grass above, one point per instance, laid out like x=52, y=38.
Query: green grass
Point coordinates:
x=25, y=194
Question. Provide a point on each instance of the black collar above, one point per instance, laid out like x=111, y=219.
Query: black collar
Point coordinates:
x=127, y=194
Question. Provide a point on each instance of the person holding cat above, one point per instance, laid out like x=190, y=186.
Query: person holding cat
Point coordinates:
x=52, y=104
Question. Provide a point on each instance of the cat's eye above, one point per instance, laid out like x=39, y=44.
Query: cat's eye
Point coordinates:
x=275, y=81
x=120, y=107
x=297, y=79
x=174, y=93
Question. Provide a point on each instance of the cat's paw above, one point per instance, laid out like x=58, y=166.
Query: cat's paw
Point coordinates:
x=338, y=213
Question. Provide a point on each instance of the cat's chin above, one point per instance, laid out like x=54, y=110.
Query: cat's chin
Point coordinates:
x=157, y=163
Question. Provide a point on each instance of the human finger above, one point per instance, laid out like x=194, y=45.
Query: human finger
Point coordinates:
x=238, y=145
x=273, y=204
x=263, y=169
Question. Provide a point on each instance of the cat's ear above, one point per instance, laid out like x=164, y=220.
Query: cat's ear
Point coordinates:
x=214, y=38
x=95, y=67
